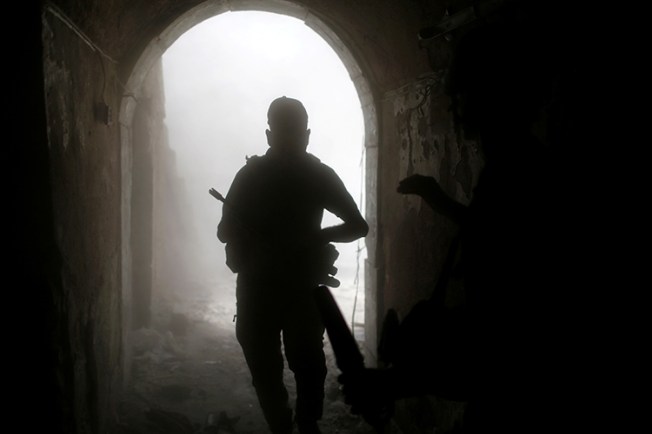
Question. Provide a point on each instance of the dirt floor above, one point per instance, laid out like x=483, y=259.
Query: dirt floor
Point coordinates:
x=188, y=371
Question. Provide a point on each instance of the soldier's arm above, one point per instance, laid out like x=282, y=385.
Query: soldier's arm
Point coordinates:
x=431, y=192
x=340, y=203
x=231, y=226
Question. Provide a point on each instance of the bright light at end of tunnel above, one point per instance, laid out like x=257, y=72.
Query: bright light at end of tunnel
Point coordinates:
x=219, y=79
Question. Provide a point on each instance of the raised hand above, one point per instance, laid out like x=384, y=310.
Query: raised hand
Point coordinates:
x=420, y=185
x=430, y=191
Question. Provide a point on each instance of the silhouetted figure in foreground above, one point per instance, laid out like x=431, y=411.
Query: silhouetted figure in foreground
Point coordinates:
x=495, y=352
x=271, y=225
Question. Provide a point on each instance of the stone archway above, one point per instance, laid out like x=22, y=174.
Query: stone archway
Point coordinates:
x=134, y=91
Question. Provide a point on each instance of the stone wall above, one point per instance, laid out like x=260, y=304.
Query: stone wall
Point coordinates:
x=91, y=50
x=84, y=161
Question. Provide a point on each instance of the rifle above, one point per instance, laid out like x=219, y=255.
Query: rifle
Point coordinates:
x=216, y=194
x=348, y=357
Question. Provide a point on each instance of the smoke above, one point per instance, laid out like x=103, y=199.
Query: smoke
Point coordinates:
x=219, y=79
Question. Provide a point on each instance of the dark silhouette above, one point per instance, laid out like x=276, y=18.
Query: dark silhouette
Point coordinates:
x=494, y=352
x=271, y=225
x=348, y=357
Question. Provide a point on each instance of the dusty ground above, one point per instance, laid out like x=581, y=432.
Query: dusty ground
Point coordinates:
x=188, y=367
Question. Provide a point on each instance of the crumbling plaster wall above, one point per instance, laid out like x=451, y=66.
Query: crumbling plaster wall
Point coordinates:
x=84, y=166
x=414, y=130
x=420, y=138
x=149, y=137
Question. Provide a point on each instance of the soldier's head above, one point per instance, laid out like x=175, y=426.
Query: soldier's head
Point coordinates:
x=288, y=125
x=502, y=73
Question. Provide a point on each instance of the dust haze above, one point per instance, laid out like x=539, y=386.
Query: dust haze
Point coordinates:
x=219, y=79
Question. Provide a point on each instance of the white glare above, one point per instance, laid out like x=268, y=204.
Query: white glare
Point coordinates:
x=219, y=79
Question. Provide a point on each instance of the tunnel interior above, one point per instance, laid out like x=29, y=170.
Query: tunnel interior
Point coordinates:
x=88, y=121
x=185, y=357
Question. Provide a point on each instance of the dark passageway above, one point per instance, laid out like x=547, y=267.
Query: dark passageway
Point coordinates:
x=101, y=349
x=185, y=355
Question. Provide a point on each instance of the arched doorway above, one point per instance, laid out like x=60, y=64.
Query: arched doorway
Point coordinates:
x=133, y=192
x=219, y=79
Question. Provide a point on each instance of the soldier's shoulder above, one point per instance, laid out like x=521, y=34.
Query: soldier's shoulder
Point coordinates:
x=316, y=164
x=254, y=159
x=322, y=168
x=249, y=170
x=252, y=163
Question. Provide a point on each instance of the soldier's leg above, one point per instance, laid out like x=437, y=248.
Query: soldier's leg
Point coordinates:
x=258, y=332
x=303, y=334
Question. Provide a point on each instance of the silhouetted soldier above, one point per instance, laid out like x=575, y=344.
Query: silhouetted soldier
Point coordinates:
x=495, y=353
x=271, y=225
